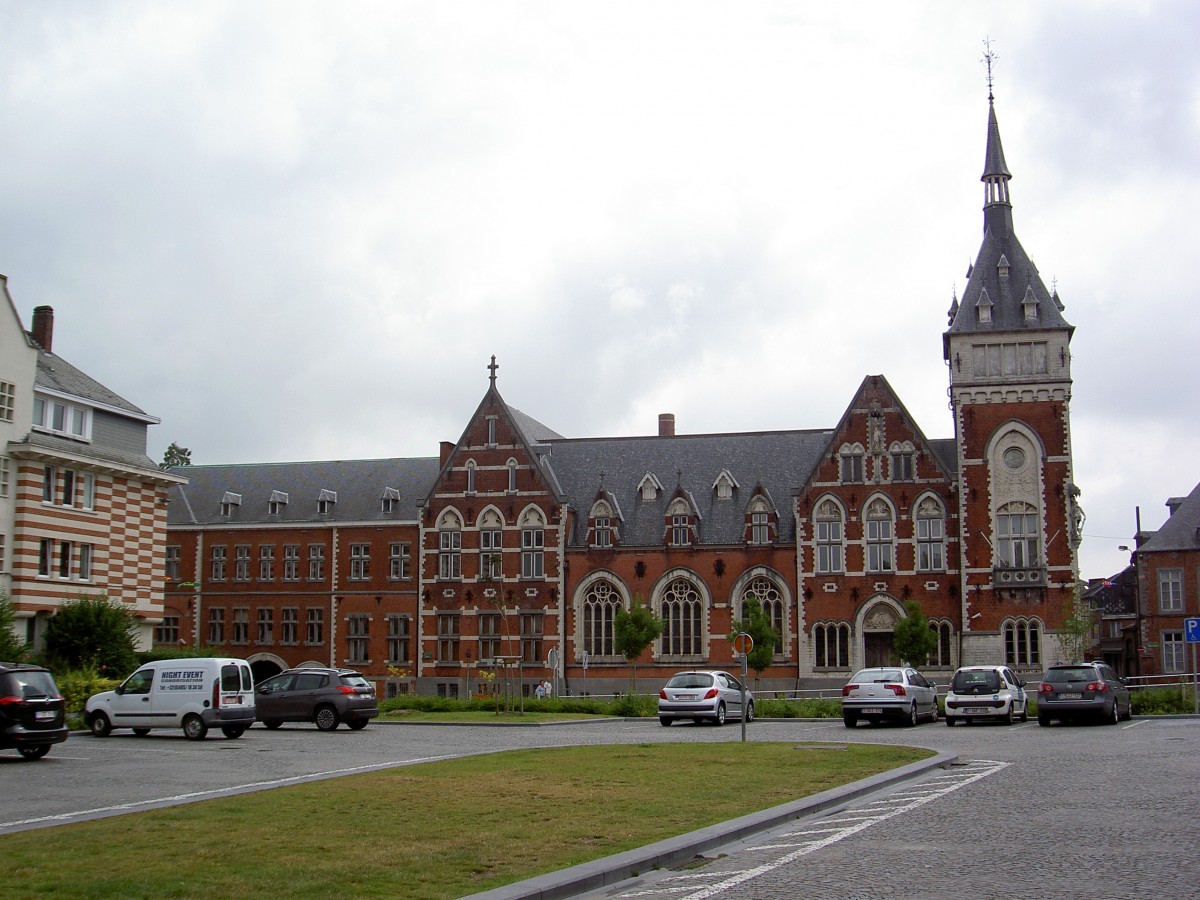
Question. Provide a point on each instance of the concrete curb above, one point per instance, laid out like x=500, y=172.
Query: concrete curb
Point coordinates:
x=598, y=873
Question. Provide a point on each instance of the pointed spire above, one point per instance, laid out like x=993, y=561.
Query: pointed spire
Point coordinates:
x=492, y=369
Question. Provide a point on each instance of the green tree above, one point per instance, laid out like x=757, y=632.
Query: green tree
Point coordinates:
x=756, y=622
x=93, y=632
x=1076, y=635
x=633, y=631
x=913, y=640
x=12, y=648
x=176, y=456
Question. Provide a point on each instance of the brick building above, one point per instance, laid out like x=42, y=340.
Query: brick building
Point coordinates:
x=520, y=545
x=83, y=509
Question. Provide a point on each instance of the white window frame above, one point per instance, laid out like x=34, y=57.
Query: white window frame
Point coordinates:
x=1170, y=590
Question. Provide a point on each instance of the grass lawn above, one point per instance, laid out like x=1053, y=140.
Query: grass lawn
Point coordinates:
x=436, y=830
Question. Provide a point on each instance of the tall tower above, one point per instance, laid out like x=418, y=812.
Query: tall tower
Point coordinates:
x=1008, y=352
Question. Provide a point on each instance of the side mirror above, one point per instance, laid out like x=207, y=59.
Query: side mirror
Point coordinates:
x=119, y=689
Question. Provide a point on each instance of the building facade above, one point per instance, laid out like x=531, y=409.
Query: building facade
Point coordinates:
x=83, y=509
x=511, y=552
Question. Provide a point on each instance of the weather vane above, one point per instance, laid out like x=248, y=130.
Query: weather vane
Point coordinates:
x=989, y=57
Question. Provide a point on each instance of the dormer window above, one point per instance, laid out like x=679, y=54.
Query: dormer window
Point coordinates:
x=679, y=521
x=277, y=503
x=604, y=525
x=1030, y=304
x=649, y=487
x=983, y=307
x=62, y=418
x=1002, y=267
x=724, y=485
x=229, y=503
x=326, y=501
x=389, y=501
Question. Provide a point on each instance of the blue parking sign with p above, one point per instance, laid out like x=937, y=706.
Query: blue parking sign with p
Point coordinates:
x=1191, y=630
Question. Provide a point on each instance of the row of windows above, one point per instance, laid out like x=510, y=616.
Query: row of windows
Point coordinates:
x=491, y=558
x=289, y=566
x=472, y=469
x=492, y=642
x=899, y=465
x=326, y=501
x=62, y=418
x=237, y=631
x=65, y=559
x=66, y=487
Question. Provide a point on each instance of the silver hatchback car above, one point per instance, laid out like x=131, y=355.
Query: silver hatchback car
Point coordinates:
x=899, y=693
x=704, y=695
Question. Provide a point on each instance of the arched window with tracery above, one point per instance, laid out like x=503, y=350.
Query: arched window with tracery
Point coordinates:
x=931, y=536
x=1017, y=543
x=880, y=530
x=600, y=606
x=682, y=611
x=940, y=654
x=831, y=645
x=770, y=600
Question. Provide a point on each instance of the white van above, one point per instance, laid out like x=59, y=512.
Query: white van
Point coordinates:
x=192, y=694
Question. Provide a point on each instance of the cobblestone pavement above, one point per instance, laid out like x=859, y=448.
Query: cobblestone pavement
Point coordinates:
x=1062, y=812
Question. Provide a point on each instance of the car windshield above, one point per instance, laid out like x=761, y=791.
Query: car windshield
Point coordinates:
x=878, y=676
x=1071, y=673
x=966, y=681
x=691, y=680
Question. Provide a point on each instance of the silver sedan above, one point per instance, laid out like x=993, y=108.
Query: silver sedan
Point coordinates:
x=899, y=693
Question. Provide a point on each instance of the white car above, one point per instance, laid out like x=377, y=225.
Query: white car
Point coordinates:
x=986, y=692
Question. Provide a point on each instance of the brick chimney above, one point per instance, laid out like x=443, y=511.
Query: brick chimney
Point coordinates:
x=444, y=451
x=43, y=327
x=666, y=424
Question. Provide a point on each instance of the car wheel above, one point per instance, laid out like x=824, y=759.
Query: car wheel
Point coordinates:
x=949, y=721
x=1025, y=712
x=141, y=732
x=358, y=724
x=100, y=725
x=233, y=731
x=194, y=727
x=750, y=712
x=34, y=751
x=664, y=721
x=849, y=721
x=1116, y=714
x=912, y=716
x=326, y=718
x=933, y=716
x=719, y=719
x=1128, y=717
x=1007, y=718
x=272, y=723
x=1043, y=720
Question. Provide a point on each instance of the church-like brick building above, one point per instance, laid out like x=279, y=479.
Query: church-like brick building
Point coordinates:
x=515, y=547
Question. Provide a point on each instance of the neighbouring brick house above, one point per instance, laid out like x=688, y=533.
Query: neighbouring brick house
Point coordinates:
x=83, y=509
x=516, y=545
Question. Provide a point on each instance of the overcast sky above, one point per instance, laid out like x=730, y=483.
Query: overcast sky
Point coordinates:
x=299, y=231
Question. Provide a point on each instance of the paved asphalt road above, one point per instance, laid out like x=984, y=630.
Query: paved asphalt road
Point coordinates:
x=1082, y=811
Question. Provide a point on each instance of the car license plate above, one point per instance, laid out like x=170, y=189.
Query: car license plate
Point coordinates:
x=872, y=711
x=1070, y=696
x=44, y=715
x=976, y=711
x=685, y=696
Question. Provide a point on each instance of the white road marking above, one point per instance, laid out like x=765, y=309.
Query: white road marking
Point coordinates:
x=830, y=828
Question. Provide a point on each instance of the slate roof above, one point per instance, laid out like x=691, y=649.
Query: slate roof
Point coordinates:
x=1006, y=296
x=780, y=461
x=359, y=485
x=1181, y=531
x=56, y=374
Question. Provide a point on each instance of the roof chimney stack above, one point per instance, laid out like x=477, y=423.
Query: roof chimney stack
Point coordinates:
x=666, y=424
x=43, y=327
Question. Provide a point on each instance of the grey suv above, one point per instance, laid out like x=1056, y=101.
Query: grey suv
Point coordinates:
x=32, y=711
x=1091, y=690
x=324, y=696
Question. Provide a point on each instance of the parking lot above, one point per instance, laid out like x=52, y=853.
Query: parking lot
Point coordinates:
x=1062, y=811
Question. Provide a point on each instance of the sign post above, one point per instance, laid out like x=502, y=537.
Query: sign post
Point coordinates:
x=1191, y=631
x=742, y=645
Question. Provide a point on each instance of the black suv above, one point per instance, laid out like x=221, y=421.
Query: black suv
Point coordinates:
x=33, y=714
